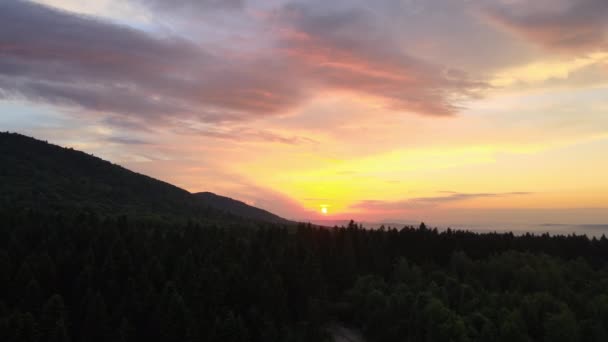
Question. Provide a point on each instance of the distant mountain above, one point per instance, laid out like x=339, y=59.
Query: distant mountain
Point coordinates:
x=38, y=175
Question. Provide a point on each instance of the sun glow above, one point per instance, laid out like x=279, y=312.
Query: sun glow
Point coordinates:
x=324, y=210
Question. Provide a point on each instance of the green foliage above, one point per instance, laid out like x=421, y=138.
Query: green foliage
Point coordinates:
x=561, y=326
x=86, y=277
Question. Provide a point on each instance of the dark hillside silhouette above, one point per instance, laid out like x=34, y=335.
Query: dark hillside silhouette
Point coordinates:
x=42, y=176
x=237, y=207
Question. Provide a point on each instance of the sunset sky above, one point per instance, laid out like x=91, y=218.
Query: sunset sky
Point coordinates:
x=462, y=111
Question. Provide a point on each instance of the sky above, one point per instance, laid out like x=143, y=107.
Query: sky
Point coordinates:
x=449, y=111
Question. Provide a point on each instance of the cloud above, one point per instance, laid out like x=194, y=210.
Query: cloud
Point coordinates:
x=126, y=124
x=57, y=57
x=350, y=50
x=126, y=140
x=567, y=25
x=542, y=72
x=191, y=5
x=239, y=134
x=456, y=197
x=54, y=56
x=414, y=203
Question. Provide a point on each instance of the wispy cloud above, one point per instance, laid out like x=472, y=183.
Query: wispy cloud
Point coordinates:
x=191, y=5
x=413, y=203
x=349, y=50
x=240, y=134
x=126, y=140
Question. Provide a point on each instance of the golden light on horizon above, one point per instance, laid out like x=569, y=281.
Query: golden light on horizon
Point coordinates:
x=324, y=210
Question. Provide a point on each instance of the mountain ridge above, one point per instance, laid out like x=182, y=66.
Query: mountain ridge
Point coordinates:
x=44, y=176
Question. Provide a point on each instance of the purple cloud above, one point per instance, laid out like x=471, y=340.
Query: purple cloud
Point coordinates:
x=52, y=56
x=569, y=25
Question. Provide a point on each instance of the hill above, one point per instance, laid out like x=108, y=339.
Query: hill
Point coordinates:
x=43, y=176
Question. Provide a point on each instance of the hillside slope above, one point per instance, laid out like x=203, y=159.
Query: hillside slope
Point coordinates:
x=38, y=175
x=237, y=207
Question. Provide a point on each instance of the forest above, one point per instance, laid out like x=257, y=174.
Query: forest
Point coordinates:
x=79, y=276
x=90, y=251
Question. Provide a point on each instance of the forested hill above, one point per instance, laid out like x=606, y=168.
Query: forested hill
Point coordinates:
x=37, y=175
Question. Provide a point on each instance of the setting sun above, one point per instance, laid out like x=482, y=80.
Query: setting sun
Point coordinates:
x=324, y=210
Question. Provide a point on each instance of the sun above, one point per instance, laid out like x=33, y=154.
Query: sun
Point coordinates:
x=324, y=210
